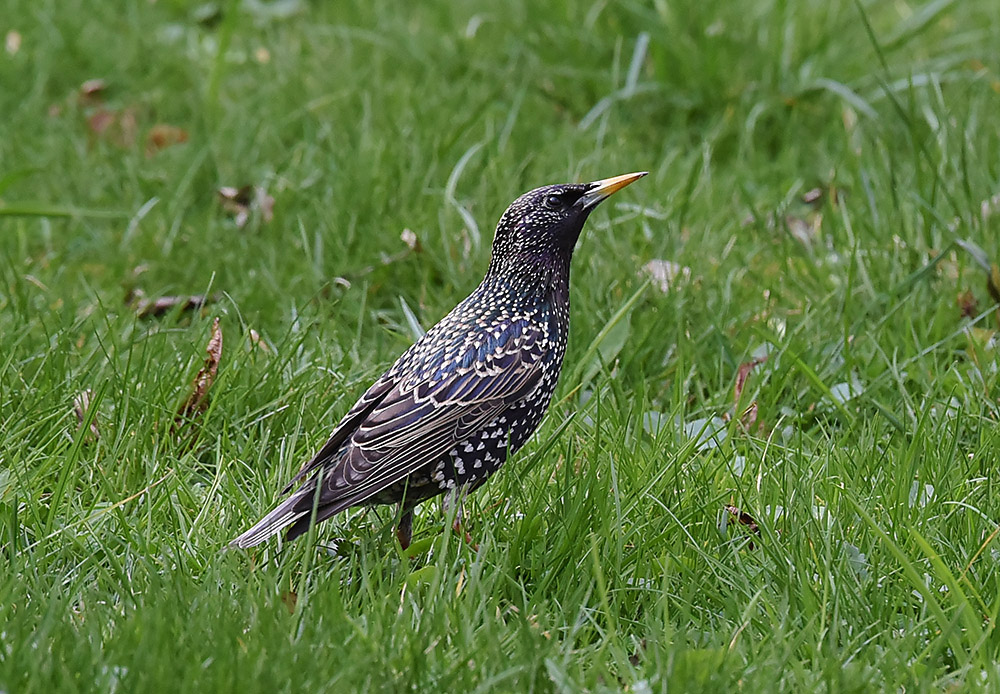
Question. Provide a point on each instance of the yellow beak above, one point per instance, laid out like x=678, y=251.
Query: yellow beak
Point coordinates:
x=599, y=190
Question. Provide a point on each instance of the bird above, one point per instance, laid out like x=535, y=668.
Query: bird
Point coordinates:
x=465, y=396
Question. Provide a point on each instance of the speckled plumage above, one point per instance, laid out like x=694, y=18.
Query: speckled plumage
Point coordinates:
x=469, y=392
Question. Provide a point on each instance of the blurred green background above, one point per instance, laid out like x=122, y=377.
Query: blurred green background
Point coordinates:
x=793, y=317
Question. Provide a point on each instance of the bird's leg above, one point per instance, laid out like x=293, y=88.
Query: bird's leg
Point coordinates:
x=404, y=529
x=457, y=496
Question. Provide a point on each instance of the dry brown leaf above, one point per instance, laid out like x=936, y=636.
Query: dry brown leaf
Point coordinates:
x=290, y=599
x=993, y=287
x=91, y=92
x=967, y=304
x=636, y=657
x=197, y=401
x=749, y=416
x=244, y=201
x=81, y=404
x=120, y=128
x=100, y=121
x=743, y=373
x=743, y=518
x=147, y=308
x=993, y=282
x=162, y=136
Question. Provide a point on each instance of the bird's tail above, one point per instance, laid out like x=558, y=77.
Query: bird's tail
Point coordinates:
x=296, y=507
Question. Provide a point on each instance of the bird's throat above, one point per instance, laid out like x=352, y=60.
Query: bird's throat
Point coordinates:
x=535, y=277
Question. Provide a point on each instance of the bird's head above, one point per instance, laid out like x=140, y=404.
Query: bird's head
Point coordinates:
x=546, y=222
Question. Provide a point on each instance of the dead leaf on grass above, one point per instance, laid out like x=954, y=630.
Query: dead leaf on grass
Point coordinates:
x=147, y=308
x=91, y=92
x=81, y=404
x=245, y=201
x=290, y=599
x=197, y=401
x=743, y=518
x=749, y=416
x=120, y=128
x=812, y=195
x=993, y=282
x=257, y=341
x=636, y=657
x=162, y=136
x=967, y=304
x=743, y=373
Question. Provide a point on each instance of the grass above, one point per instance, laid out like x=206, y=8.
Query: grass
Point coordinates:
x=607, y=558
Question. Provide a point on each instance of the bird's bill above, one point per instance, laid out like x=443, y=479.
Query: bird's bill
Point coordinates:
x=600, y=190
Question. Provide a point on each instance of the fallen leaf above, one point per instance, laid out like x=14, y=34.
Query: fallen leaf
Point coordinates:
x=81, y=404
x=993, y=282
x=749, y=416
x=636, y=657
x=743, y=518
x=257, y=341
x=813, y=195
x=100, y=121
x=243, y=201
x=804, y=230
x=197, y=401
x=967, y=304
x=410, y=239
x=982, y=260
x=743, y=373
x=290, y=599
x=146, y=307
x=662, y=273
x=120, y=128
x=162, y=136
x=91, y=92
x=12, y=42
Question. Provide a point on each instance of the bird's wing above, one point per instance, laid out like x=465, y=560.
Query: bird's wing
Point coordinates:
x=407, y=420
x=419, y=420
x=347, y=426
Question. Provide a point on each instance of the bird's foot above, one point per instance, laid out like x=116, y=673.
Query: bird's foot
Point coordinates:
x=463, y=533
x=404, y=531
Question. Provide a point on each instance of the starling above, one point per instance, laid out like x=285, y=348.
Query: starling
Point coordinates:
x=468, y=393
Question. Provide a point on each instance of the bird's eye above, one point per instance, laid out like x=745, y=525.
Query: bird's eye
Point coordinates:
x=553, y=202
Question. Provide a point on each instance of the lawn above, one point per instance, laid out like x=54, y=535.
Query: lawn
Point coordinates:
x=771, y=461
